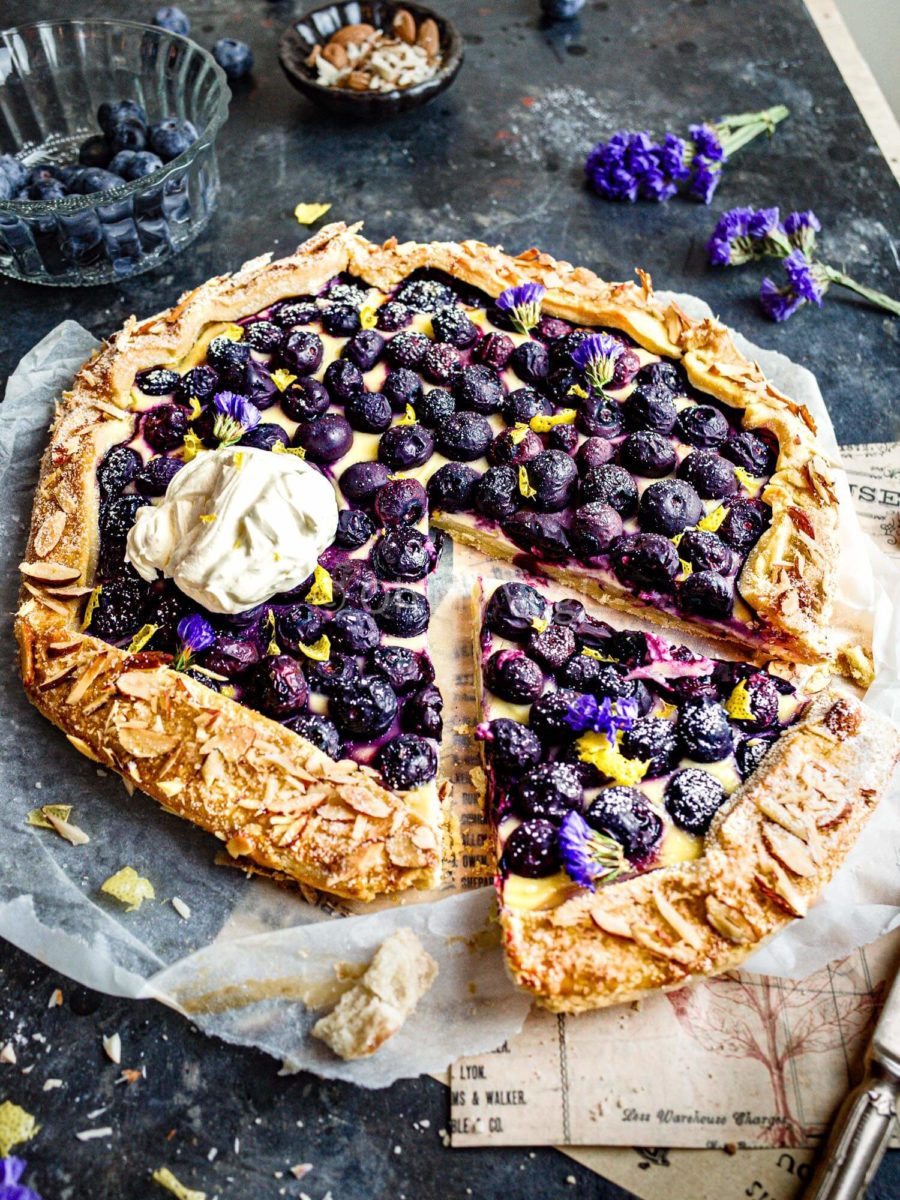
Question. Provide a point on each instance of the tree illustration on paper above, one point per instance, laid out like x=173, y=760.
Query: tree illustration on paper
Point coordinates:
x=774, y=1021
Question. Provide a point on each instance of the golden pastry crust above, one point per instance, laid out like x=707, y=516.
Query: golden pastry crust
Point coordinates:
x=768, y=854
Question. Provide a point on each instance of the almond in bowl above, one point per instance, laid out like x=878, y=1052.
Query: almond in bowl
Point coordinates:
x=363, y=58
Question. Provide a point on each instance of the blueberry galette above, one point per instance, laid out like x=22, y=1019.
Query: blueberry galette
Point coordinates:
x=657, y=813
x=225, y=592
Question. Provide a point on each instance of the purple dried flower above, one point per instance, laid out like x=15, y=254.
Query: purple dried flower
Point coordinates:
x=801, y=229
x=705, y=178
x=196, y=635
x=588, y=856
x=778, y=303
x=671, y=157
x=11, y=1170
x=597, y=356
x=802, y=278
x=706, y=142
x=745, y=233
x=602, y=716
x=236, y=416
x=523, y=303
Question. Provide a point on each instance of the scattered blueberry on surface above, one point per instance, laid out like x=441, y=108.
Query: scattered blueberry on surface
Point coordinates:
x=404, y=669
x=234, y=57
x=744, y=524
x=651, y=409
x=402, y=387
x=647, y=453
x=401, y=502
x=451, y=488
x=594, y=528
x=325, y=439
x=364, y=708
x=403, y=554
x=540, y=534
x=280, y=685
x=702, y=426
x=652, y=740
x=464, y=437
x=172, y=19
x=752, y=451
x=497, y=494
x=513, y=676
x=521, y=405
x=117, y=468
x=706, y=551
x=403, y=447
x=610, y=485
x=709, y=474
x=403, y=612
x=645, y=560
x=355, y=528
x=553, y=476
x=361, y=481
x=707, y=594
x=369, y=412
x=156, y=475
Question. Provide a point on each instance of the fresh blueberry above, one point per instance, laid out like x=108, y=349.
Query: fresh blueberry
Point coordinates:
x=706, y=551
x=451, y=325
x=664, y=376
x=172, y=19
x=511, y=747
x=650, y=408
x=393, y=316
x=402, y=668
x=305, y=400
x=497, y=493
x=645, y=560
x=652, y=740
x=228, y=357
x=127, y=134
x=541, y=535
x=749, y=754
x=171, y=137
x=403, y=447
x=552, y=647
x=532, y=850
x=111, y=112
x=302, y=353
x=288, y=313
x=594, y=452
x=433, y=406
x=364, y=349
x=441, y=363
x=511, y=447
x=281, y=687
x=354, y=631
x=402, y=387
x=594, y=528
x=751, y=451
x=164, y=427
x=360, y=481
x=704, y=732
x=530, y=361
x=319, y=730
x=563, y=437
x=343, y=380
x=702, y=426
x=354, y=529
x=425, y=295
x=478, y=389
x=234, y=57
x=141, y=164
x=625, y=814
x=407, y=349
x=155, y=477
x=707, y=594
x=452, y=487
x=693, y=797
x=554, y=478
x=549, y=791
x=202, y=382
x=403, y=554
x=337, y=672
x=231, y=656
x=560, y=387
x=649, y=454
x=266, y=436
x=119, y=611
x=512, y=610
x=94, y=179
x=668, y=507
x=494, y=350
x=744, y=523
x=464, y=437
x=403, y=612
x=407, y=761
x=369, y=412
x=325, y=439
x=401, y=502
x=117, y=468
x=157, y=381
x=521, y=405
x=364, y=708
x=599, y=417
x=341, y=320
x=96, y=152
x=711, y=475
x=421, y=714
x=609, y=485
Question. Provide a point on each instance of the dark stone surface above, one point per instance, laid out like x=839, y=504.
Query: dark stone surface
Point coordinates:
x=499, y=158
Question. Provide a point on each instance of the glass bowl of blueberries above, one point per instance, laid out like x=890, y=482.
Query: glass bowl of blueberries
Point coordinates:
x=107, y=148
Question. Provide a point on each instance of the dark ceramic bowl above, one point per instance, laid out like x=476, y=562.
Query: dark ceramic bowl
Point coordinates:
x=317, y=26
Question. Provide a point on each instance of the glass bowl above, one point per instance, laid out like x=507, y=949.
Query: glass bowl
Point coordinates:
x=53, y=77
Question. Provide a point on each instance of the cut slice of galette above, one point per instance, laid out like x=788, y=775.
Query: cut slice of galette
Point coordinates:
x=225, y=595
x=657, y=813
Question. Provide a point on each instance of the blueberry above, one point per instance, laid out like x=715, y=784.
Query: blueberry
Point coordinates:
x=693, y=797
x=749, y=754
x=464, y=436
x=532, y=850
x=711, y=475
x=562, y=348
x=497, y=493
x=172, y=19
x=625, y=814
x=549, y=791
x=744, y=523
x=645, y=560
x=337, y=672
x=552, y=647
x=441, y=363
x=512, y=610
x=155, y=477
x=14, y=171
x=751, y=451
x=513, y=447
x=422, y=714
x=343, y=379
x=594, y=528
x=306, y=400
x=354, y=582
x=707, y=594
x=111, y=112
x=127, y=134
x=548, y=716
x=523, y=404
x=164, y=427
x=478, y=389
x=764, y=697
x=353, y=631
x=393, y=316
x=403, y=553
x=169, y=611
x=561, y=10
x=563, y=437
x=202, y=382
x=648, y=454
x=451, y=325
x=706, y=551
x=354, y=529
x=369, y=412
x=668, y=507
x=342, y=292
x=594, y=452
x=628, y=646
x=294, y=312
x=96, y=152
x=512, y=676
x=401, y=502
x=319, y=730
x=119, y=611
x=403, y=612
x=425, y=295
x=599, y=417
x=652, y=740
x=234, y=57
x=364, y=349
x=704, y=732
x=171, y=137
x=627, y=366
x=511, y=747
x=563, y=387
x=530, y=361
x=281, y=687
x=494, y=350
x=326, y=439
x=664, y=376
x=403, y=447
x=702, y=426
x=407, y=349
x=609, y=485
x=231, y=656
x=407, y=761
x=583, y=673
x=94, y=179
x=650, y=408
x=258, y=385
x=116, y=470
x=229, y=358
x=402, y=387
x=402, y=668
x=433, y=406
x=540, y=534
x=303, y=353
x=452, y=487
x=364, y=708
x=341, y=320
x=264, y=336
x=361, y=481
x=554, y=478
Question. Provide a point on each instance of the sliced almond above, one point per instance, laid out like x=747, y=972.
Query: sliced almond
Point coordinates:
x=405, y=26
x=83, y=748
x=145, y=743
x=610, y=922
x=233, y=742
x=71, y=591
x=681, y=924
x=334, y=812
x=364, y=801
x=50, y=572
x=142, y=685
x=49, y=532
x=728, y=921
x=57, y=649
x=42, y=597
x=429, y=37
x=91, y=673
x=66, y=830
x=336, y=55
x=403, y=852
x=789, y=850
x=358, y=81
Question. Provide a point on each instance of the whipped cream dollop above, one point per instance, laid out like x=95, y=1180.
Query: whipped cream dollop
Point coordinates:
x=235, y=527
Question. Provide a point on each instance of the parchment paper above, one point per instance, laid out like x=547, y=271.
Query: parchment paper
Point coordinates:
x=252, y=953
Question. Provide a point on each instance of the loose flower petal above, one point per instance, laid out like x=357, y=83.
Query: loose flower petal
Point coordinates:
x=308, y=214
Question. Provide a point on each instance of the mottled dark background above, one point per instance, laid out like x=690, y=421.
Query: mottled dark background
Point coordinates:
x=498, y=158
